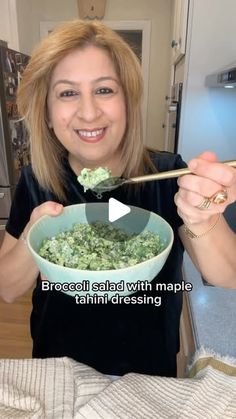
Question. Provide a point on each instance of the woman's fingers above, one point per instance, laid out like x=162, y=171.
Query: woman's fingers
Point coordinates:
x=47, y=208
x=219, y=173
x=211, y=179
x=208, y=191
x=195, y=201
x=189, y=213
x=208, y=155
x=200, y=185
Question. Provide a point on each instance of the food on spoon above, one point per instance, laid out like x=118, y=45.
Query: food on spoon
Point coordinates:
x=89, y=178
x=100, y=246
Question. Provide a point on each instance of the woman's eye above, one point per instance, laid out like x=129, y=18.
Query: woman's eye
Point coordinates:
x=68, y=93
x=104, y=91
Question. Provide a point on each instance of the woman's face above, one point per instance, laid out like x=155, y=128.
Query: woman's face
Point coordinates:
x=86, y=107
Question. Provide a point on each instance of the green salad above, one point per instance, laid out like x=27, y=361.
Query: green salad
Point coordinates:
x=89, y=178
x=100, y=246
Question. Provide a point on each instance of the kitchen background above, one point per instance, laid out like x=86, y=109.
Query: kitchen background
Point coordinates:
x=208, y=114
x=207, y=118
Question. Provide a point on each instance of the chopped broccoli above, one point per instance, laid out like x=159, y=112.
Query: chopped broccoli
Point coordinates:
x=89, y=178
x=100, y=246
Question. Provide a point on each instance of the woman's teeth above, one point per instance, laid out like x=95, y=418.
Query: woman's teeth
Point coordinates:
x=90, y=134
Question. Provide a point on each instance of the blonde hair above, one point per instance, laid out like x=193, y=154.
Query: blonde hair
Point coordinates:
x=47, y=152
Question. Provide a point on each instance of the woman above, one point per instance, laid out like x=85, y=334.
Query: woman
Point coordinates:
x=80, y=96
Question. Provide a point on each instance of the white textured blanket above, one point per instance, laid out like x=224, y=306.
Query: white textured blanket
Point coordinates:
x=62, y=388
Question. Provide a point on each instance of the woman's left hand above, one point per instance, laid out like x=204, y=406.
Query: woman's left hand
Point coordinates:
x=198, y=193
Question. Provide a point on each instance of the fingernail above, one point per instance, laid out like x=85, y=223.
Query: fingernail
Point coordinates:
x=193, y=164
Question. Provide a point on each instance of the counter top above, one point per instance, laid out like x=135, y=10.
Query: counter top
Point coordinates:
x=213, y=312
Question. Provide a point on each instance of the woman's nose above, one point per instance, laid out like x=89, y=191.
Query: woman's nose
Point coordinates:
x=88, y=108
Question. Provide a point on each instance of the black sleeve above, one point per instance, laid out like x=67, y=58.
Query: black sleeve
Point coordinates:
x=20, y=209
x=180, y=163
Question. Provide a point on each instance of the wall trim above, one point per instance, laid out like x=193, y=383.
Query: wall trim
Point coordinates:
x=13, y=25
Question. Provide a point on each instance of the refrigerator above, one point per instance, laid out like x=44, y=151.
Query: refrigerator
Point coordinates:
x=14, y=151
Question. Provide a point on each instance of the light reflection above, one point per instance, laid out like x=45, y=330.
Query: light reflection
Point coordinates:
x=202, y=298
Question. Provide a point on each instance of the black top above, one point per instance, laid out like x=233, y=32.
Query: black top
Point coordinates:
x=114, y=339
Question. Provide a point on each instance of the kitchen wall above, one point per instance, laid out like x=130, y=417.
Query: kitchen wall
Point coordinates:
x=35, y=11
x=208, y=118
x=156, y=11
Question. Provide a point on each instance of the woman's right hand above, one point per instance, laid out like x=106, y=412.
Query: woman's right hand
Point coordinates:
x=47, y=208
x=18, y=270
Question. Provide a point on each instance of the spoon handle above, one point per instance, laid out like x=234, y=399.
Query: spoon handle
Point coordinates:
x=169, y=174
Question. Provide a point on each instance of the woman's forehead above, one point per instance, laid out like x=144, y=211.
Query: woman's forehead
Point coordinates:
x=89, y=61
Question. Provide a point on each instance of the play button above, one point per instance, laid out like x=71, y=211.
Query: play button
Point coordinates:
x=117, y=210
x=127, y=218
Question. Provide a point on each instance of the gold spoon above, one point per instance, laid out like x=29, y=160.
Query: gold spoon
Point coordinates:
x=114, y=182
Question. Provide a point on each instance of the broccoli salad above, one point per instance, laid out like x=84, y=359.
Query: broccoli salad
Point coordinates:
x=100, y=246
x=89, y=178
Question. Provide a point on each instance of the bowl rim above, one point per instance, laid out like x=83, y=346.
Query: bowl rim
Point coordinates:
x=91, y=272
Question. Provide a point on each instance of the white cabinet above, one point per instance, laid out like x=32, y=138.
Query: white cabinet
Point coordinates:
x=8, y=24
x=179, y=32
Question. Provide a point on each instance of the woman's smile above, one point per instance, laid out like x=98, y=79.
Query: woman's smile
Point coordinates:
x=91, y=135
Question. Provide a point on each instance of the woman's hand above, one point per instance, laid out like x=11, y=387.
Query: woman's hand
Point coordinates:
x=47, y=208
x=18, y=270
x=194, y=199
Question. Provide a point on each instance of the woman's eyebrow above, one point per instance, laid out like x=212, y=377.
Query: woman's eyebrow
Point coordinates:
x=74, y=83
x=104, y=78
x=64, y=81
